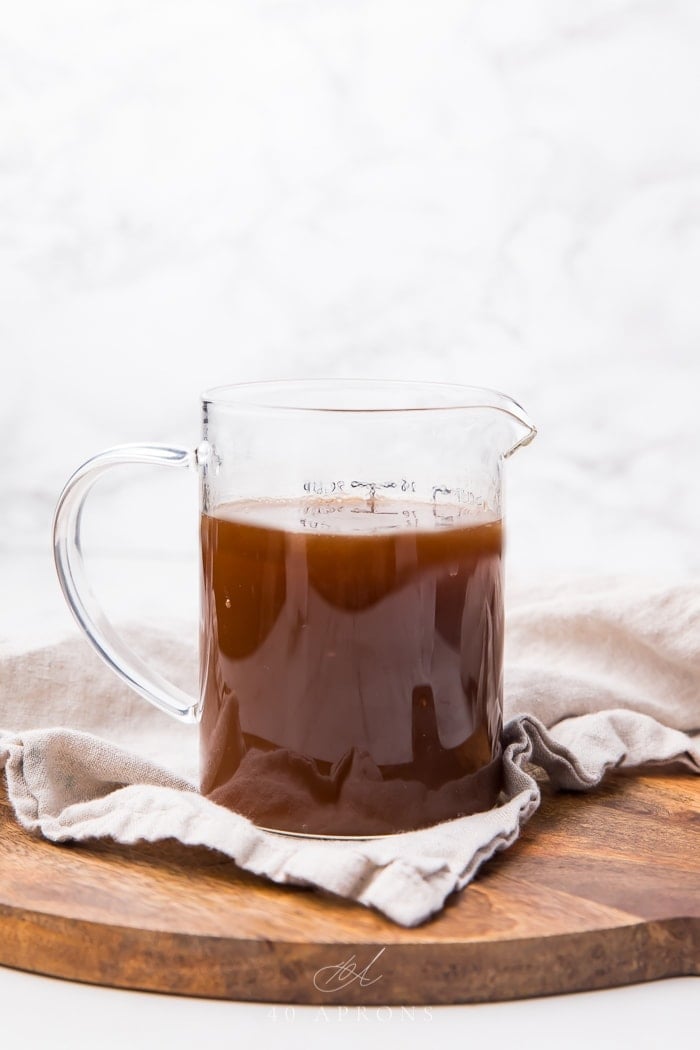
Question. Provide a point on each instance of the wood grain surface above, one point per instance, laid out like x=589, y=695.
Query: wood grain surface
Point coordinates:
x=602, y=889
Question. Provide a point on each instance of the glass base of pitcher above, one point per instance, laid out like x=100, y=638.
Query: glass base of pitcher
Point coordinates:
x=327, y=837
x=371, y=810
x=332, y=838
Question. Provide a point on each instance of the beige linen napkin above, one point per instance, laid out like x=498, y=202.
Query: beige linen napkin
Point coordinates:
x=598, y=675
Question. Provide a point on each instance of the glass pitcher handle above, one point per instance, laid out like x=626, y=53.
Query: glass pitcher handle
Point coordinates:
x=78, y=592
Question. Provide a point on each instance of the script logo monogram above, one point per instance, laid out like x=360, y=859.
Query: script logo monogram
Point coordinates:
x=339, y=975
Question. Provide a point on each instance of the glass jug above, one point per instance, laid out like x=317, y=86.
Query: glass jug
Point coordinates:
x=351, y=642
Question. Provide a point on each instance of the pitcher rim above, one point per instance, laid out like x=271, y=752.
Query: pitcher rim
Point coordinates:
x=456, y=396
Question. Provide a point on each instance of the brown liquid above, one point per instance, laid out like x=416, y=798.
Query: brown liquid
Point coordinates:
x=351, y=664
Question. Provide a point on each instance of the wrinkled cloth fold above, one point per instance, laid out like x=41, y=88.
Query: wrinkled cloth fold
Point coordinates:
x=600, y=675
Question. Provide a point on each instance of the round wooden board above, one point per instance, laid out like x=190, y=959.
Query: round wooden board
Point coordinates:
x=602, y=889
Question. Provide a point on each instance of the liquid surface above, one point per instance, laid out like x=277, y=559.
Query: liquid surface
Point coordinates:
x=351, y=664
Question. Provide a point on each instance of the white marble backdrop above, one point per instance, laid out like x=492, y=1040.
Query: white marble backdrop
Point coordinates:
x=498, y=192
